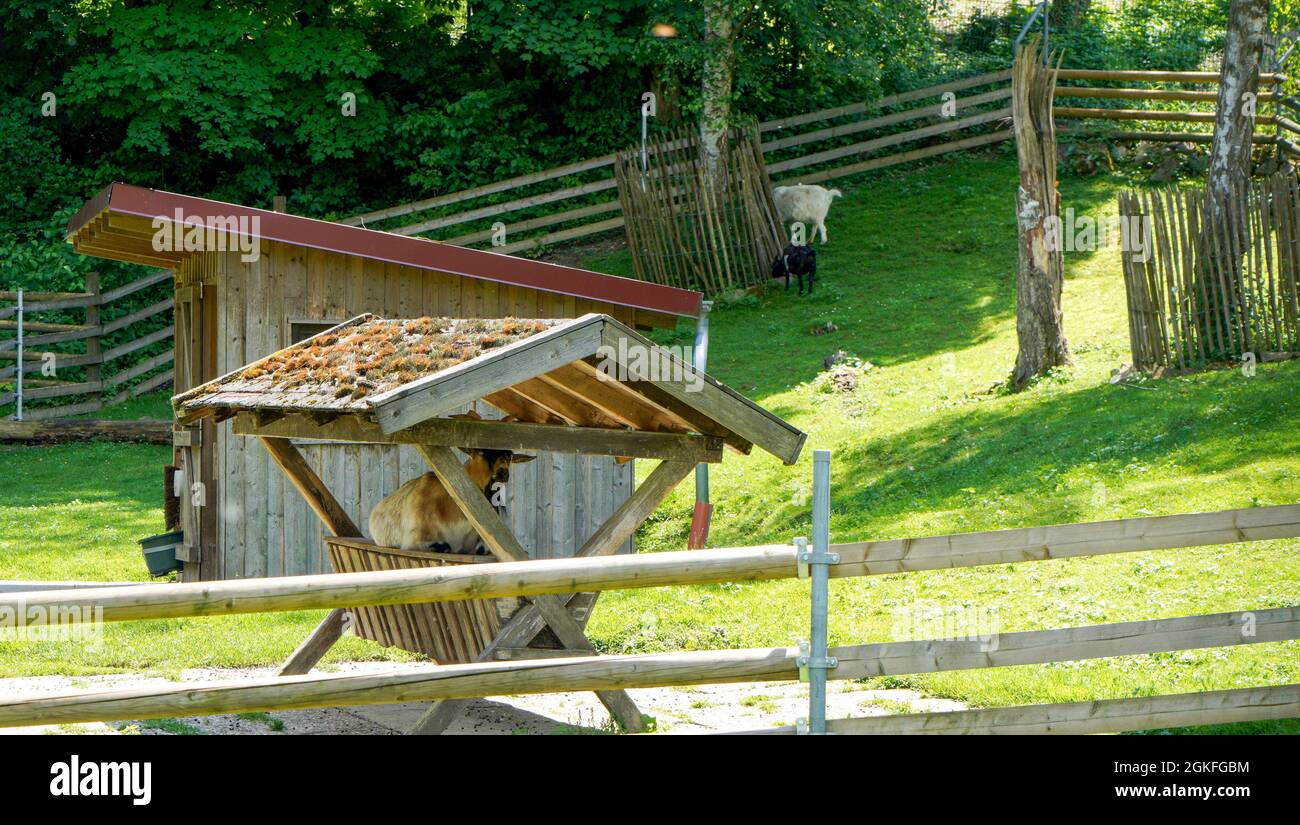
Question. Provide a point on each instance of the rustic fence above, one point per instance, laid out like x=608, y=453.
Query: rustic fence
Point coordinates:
x=41, y=348
x=693, y=230
x=38, y=607
x=577, y=200
x=1200, y=290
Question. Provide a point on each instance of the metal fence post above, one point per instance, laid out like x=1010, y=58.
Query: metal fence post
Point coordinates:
x=18, y=368
x=813, y=662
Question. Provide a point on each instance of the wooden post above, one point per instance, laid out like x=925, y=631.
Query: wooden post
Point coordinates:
x=496, y=535
x=94, y=372
x=1040, y=273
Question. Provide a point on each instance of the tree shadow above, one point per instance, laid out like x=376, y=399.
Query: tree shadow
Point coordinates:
x=1203, y=425
x=920, y=262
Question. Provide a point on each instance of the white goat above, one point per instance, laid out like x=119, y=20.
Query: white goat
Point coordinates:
x=806, y=203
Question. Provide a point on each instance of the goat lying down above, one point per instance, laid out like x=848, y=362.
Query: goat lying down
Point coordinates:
x=420, y=515
x=805, y=203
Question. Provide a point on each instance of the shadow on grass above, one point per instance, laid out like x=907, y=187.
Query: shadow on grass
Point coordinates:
x=919, y=263
x=1202, y=425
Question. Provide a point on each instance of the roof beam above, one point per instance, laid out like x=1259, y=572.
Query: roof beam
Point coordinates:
x=710, y=398
x=492, y=435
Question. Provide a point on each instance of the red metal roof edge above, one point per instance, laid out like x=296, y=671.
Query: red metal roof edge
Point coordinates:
x=398, y=249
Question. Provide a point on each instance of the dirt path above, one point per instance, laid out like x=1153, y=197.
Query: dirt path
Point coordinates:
x=703, y=709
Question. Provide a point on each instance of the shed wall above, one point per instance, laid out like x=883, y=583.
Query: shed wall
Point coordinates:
x=264, y=528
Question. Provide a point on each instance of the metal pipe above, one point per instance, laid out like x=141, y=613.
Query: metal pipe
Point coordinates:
x=701, y=362
x=18, y=369
x=821, y=537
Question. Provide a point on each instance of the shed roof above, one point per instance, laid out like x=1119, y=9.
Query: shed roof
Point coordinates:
x=118, y=223
x=396, y=374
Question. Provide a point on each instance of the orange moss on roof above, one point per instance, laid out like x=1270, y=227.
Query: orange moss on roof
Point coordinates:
x=374, y=357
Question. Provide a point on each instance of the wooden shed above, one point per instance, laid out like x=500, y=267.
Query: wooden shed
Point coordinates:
x=606, y=391
x=252, y=281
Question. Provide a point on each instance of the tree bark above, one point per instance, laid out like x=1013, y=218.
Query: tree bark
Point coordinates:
x=1218, y=269
x=1040, y=272
x=1234, y=122
x=715, y=92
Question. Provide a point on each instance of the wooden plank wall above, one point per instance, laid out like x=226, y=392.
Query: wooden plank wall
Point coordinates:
x=266, y=529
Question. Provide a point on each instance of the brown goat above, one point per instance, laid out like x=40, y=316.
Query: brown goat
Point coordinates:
x=420, y=515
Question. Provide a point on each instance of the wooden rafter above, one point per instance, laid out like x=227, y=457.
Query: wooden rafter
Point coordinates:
x=613, y=400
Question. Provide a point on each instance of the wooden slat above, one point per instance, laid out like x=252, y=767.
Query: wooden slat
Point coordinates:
x=1150, y=76
x=906, y=157
x=1146, y=94
x=890, y=140
x=478, y=191
x=591, y=673
x=1068, y=540
x=494, y=210
x=1083, y=113
x=935, y=110
x=1217, y=707
x=891, y=100
x=537, y=223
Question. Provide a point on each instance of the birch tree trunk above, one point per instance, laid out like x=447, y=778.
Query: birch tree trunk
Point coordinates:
x=719, y=63
x=1040, y=271
x=1234, y=121
x=1230, y=163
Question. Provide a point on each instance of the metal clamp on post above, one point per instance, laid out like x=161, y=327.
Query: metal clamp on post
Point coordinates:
x=805, y=661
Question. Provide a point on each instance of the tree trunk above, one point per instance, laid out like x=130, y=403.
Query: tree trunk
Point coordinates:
x=1234, y=122
x=715, y=97
x=1040, y=273
x=1230, y=164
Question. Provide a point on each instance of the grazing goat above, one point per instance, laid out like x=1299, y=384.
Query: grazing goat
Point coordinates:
x=420, y=515
x=798, y=261
x=806, y=203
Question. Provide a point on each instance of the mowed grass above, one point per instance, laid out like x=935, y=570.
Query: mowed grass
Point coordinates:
x=919, y=278
x=76, y=511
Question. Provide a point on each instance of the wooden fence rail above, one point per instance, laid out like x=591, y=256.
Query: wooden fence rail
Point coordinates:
x=566, y=211
x=61, y=608
x=97, y=390
x=550, y=675
x=567, y=575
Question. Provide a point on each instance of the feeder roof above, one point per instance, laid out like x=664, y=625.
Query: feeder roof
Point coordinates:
x=394, y=374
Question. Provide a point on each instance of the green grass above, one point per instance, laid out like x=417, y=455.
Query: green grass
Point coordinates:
x=919, y=278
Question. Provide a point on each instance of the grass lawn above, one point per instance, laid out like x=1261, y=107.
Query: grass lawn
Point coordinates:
x=919, y=279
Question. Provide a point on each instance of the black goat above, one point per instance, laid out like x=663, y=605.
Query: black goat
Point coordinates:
x=798, y=261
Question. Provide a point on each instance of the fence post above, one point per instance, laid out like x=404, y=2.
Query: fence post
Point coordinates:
x=94, y=372
x=813, y=661
x=18, y=368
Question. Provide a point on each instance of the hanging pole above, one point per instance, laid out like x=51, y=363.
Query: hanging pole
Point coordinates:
x=812, y=660
x=698, y=538
x=18, y=370
x=1041, y=8
x=649, y=107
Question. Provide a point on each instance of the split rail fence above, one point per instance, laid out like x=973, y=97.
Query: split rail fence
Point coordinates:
x=565, y=575
x=579, y=199
x=42, y=348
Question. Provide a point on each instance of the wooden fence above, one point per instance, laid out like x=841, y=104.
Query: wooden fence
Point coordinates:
x=1198, y=291
x=562, y=575
x=578, y=200
x=692, y=230
x=45, y=348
